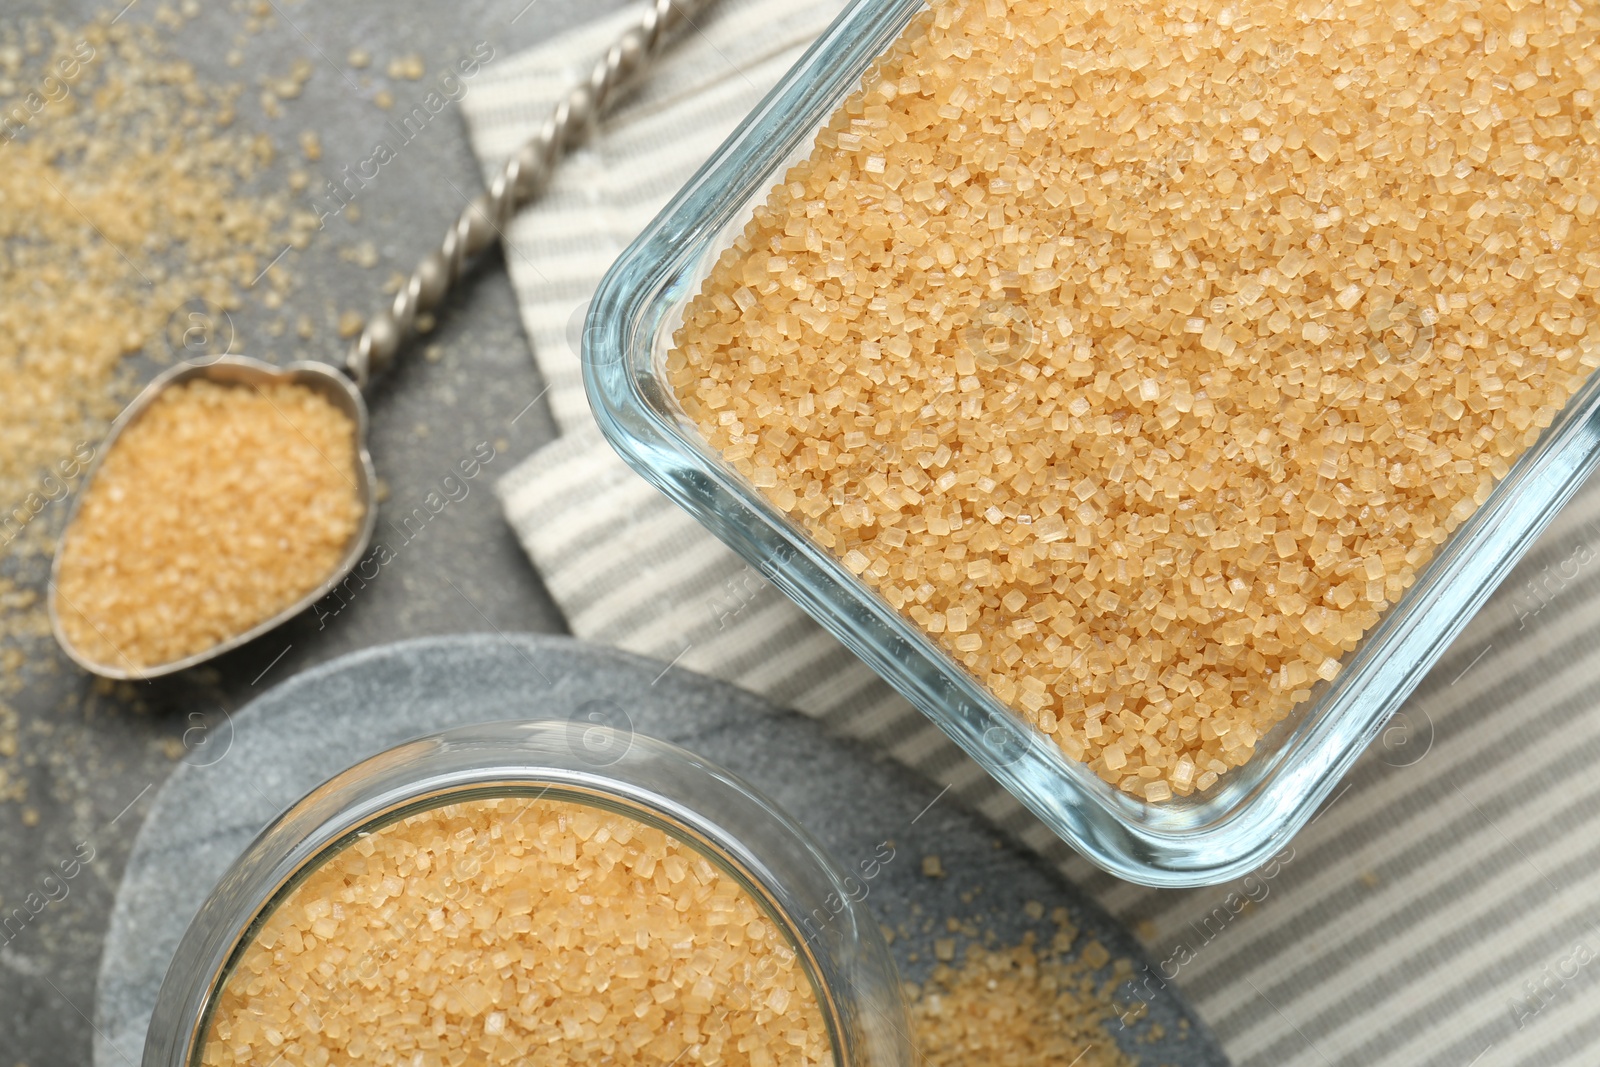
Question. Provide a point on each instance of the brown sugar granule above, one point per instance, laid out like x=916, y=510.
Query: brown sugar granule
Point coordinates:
x=410, y=67
x=221, y=506
x=1014, y=1007
x=515, y=931
x=1144, y=352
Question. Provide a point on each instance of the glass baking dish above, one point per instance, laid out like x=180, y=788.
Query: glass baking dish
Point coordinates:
x=785, y=871
x=1197, y=840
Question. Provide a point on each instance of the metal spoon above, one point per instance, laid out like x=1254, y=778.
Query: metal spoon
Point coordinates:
x=476, y=230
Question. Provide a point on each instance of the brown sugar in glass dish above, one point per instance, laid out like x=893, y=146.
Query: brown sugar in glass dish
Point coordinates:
x=1144, y=354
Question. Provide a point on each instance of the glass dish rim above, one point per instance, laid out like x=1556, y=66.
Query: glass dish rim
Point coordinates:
x=1256, y=809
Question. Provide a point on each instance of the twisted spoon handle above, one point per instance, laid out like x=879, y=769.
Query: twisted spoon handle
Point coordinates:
x=519, y=181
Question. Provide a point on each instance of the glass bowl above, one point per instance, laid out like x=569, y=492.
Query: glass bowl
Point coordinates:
x=1197, y=840
x=805, y=893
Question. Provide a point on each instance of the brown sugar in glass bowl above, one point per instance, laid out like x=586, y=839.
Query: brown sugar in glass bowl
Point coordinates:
x=532, y=892
x=1143, y=354
x=518, y=931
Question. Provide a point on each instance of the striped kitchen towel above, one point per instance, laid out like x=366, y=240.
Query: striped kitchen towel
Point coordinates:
x=1438, y=912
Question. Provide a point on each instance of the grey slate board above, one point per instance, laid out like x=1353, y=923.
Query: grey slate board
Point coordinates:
x=246, y=768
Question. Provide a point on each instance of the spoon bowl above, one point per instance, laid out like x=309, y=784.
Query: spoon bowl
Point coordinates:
x=323, y=379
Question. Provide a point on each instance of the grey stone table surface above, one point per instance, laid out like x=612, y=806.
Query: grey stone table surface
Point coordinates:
x=255, y=763
x=89, y=757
